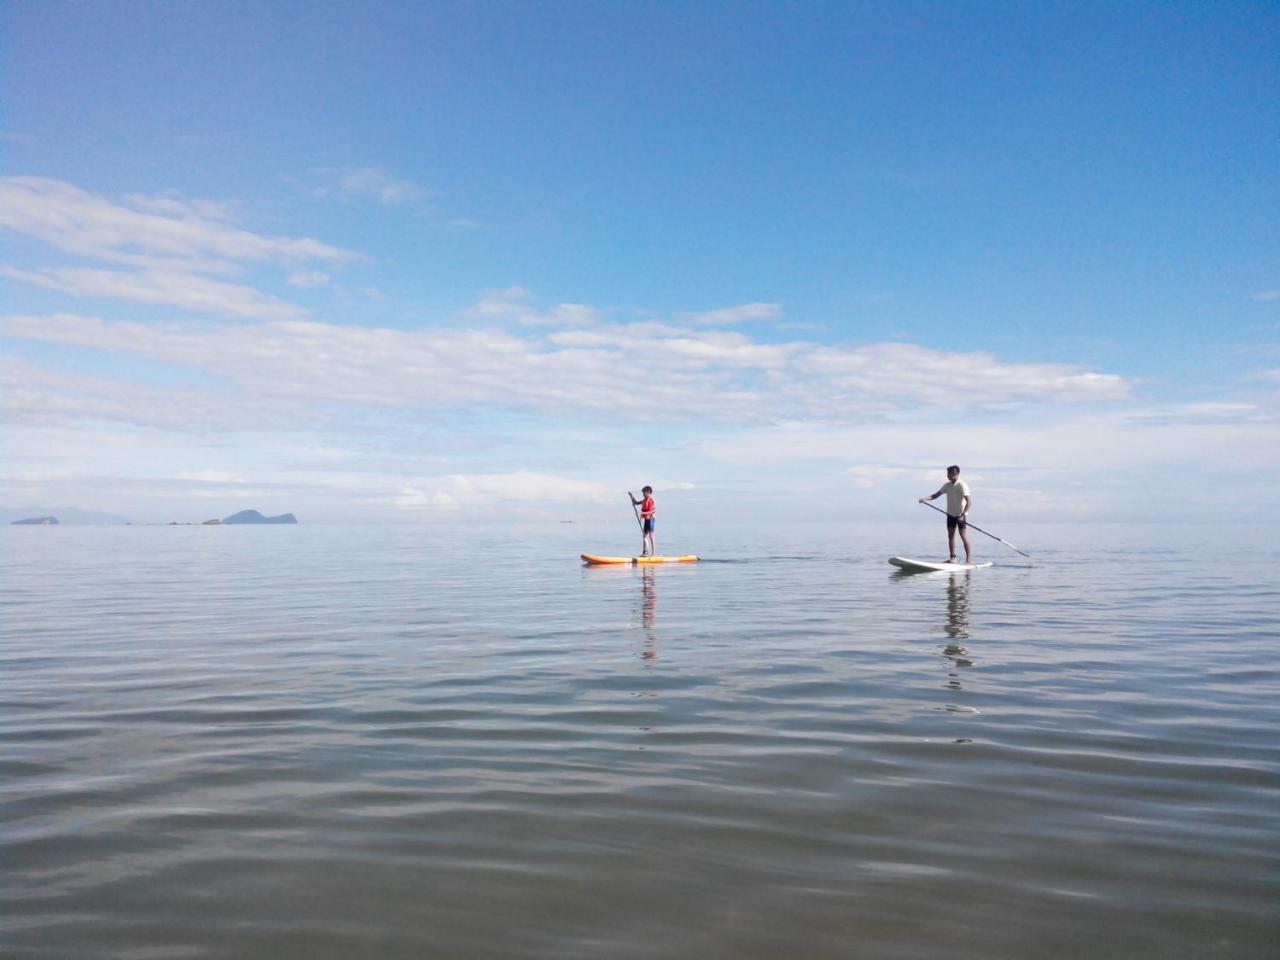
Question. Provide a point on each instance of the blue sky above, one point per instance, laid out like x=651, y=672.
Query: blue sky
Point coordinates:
x=468, y=261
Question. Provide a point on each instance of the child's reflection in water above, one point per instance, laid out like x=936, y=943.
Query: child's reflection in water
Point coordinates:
x=649, y=611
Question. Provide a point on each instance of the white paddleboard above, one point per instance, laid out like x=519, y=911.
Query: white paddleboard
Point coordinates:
x=928, y=566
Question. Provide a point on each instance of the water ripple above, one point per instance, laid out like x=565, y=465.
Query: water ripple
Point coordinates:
x=360, y=743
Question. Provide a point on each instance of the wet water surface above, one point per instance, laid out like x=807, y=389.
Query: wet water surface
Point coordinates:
x=391, y=742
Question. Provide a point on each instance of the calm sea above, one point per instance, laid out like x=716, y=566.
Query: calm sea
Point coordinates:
x=398, y=742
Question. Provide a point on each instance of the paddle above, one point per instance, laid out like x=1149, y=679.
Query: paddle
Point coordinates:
x=636, y=511
x=980, y=530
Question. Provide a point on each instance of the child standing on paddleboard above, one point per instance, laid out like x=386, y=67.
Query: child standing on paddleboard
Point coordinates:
x=648, y=544
x=958, y=503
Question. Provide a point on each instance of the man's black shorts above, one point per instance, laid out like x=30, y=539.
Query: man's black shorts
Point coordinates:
x=953, y=522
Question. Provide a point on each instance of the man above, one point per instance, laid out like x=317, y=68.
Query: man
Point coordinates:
x=958, y=504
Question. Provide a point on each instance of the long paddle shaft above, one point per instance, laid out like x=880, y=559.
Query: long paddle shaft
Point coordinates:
x=636, y=511
x=980, y=530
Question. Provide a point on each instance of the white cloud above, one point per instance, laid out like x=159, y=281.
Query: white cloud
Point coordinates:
x=501, y=303
x=677, y=347
x=642, y=372
x=75, y=221
x=942, y=378
x=309, y=278
x=210, y=476
x=1267, y=295
x=485, y=491
x=1063, y=444
x=171, y=204
x=1203, y=412
x=176, y=289
x=33, y=395
x=164, y=250
x=525, y=486
x=872, y=475
x=742, y=313
x=133, y=449
x=371, y=183
x=514, y=304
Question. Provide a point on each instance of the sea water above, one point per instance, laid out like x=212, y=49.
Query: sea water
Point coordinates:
x=338, y=742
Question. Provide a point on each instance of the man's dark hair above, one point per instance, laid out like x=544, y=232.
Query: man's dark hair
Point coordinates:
x=646, y=489
x=953, y=467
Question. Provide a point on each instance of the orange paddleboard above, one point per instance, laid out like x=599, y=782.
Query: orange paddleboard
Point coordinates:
x=592, y=560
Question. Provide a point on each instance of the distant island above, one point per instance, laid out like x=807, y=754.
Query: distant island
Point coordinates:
x=47, y=514
x=45, y=517
x=253, y=516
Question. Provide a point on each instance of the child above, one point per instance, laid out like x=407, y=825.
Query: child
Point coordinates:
x=648, y=545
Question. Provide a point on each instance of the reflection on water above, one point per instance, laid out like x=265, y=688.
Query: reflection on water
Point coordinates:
x=958, y=585
x=397, y=751
x=957, y=627
x=649, y=610
x=646, y=608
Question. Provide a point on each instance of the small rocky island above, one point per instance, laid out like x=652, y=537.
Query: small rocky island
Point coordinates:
x=253, y=516
x=35, y=522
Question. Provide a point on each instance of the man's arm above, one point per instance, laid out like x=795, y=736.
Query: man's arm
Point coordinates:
x=933, y=496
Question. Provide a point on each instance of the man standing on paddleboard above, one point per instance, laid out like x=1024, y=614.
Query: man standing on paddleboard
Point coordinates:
x=958, y=503
x=648, y=543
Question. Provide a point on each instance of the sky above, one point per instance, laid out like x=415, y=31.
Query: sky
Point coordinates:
x=392, y=261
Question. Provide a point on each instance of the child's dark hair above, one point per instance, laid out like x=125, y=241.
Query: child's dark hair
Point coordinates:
x=953, y=467
x=646, y=489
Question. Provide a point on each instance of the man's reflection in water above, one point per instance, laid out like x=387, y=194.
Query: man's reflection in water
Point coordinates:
x=649, y=611
x=958, y=605
x=957, y=626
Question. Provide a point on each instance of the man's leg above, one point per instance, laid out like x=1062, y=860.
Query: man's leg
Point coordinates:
x=964, y=538
x=951, y=542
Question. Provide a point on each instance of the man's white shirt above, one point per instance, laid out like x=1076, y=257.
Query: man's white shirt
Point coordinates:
x=956, y=492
